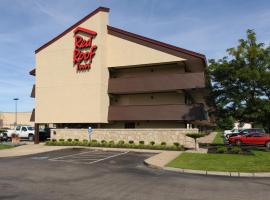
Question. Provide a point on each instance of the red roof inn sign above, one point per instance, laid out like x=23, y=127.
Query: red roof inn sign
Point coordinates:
x=84, y=50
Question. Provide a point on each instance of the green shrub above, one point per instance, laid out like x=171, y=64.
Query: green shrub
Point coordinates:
x=54, y=140
x=85, y=142
x=69, y=140
x=221, y=149
x=111, y=142
x=196, y=135
x=236, y=150
x=163, y=143
x=176, y=144
x=76, y=140
x=121, y=142
x=49, y=142
x=61, y=140
x=103, y=142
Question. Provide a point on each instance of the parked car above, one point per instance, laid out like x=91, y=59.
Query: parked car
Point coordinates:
x=26, y=132
x=3, y=135
x=245, y=131
x=227, y=133
x=251, y=139
x=44, y=134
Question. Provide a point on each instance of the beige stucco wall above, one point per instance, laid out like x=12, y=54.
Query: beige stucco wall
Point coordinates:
x=123, y=53
x=147, y=135
x=64, y=95
x=7, y=119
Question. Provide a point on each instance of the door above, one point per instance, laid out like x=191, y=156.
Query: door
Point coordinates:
x=255, y=139
x=259, y=139
x=18, y=130
x=24, y=132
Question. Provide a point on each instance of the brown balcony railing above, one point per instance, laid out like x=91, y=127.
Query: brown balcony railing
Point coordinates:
x=32, y=118
x=156, y=83
x=33, y=93
x=33, y=72
x=157, y=112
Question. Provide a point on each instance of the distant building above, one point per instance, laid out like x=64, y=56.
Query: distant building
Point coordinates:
x=239, y=125
x=7, y=119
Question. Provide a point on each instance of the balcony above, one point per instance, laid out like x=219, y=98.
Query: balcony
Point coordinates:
x=32, y=118
x=177, y=112
x=156, y=83
x=33, y=72
x=33, y=93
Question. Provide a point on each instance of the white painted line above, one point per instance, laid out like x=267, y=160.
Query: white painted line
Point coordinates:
x=69, y=161
x=90, y=154
x=108, y=157
x=74, y=160
x=69, y=155
x=85, y=157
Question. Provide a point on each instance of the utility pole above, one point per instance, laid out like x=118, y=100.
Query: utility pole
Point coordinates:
x=16, y=100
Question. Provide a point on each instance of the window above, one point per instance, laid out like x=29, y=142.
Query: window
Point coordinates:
x=259, y=135
x=129, y=125
x=30, y=128
x=18, y=128
x=188, y=99
x=24, y=129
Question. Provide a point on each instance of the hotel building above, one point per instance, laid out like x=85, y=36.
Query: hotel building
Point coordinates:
x=94, y=74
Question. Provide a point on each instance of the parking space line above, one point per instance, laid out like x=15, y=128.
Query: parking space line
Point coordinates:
x=109, y=157
x=69, y=155
x=92, y=154
x=80, y=159
x=88, y=157
x=70, y=161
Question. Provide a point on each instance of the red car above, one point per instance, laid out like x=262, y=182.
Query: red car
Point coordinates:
x=251, y=139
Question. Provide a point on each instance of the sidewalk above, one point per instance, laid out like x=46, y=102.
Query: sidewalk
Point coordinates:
x=160, y=160
x=208, y=139
x=29, y=149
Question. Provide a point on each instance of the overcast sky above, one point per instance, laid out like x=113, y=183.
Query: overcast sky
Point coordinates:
x=204, y=26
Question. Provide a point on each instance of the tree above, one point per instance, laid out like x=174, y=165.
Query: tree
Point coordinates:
x=240, y=87
x=195, y=136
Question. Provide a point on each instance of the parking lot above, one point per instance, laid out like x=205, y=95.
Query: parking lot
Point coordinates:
x=88, y=157
x=86, y=174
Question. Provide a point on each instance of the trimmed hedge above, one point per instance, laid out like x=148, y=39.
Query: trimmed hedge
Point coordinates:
x=120, y=144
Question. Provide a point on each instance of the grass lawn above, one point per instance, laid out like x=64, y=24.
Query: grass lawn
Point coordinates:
x=259, y=162
x=218, y=139
x=4, y=146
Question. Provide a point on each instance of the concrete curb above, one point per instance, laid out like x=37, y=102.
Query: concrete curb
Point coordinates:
x=206, y=173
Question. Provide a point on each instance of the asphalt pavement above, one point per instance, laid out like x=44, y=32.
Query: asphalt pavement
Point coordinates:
x=85, y=174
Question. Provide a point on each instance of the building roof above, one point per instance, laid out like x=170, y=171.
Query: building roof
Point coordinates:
x=104, y=9
x=126, y=33
x=156, y=42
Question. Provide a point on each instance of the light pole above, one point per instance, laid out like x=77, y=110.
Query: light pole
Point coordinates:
x=16, y=100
